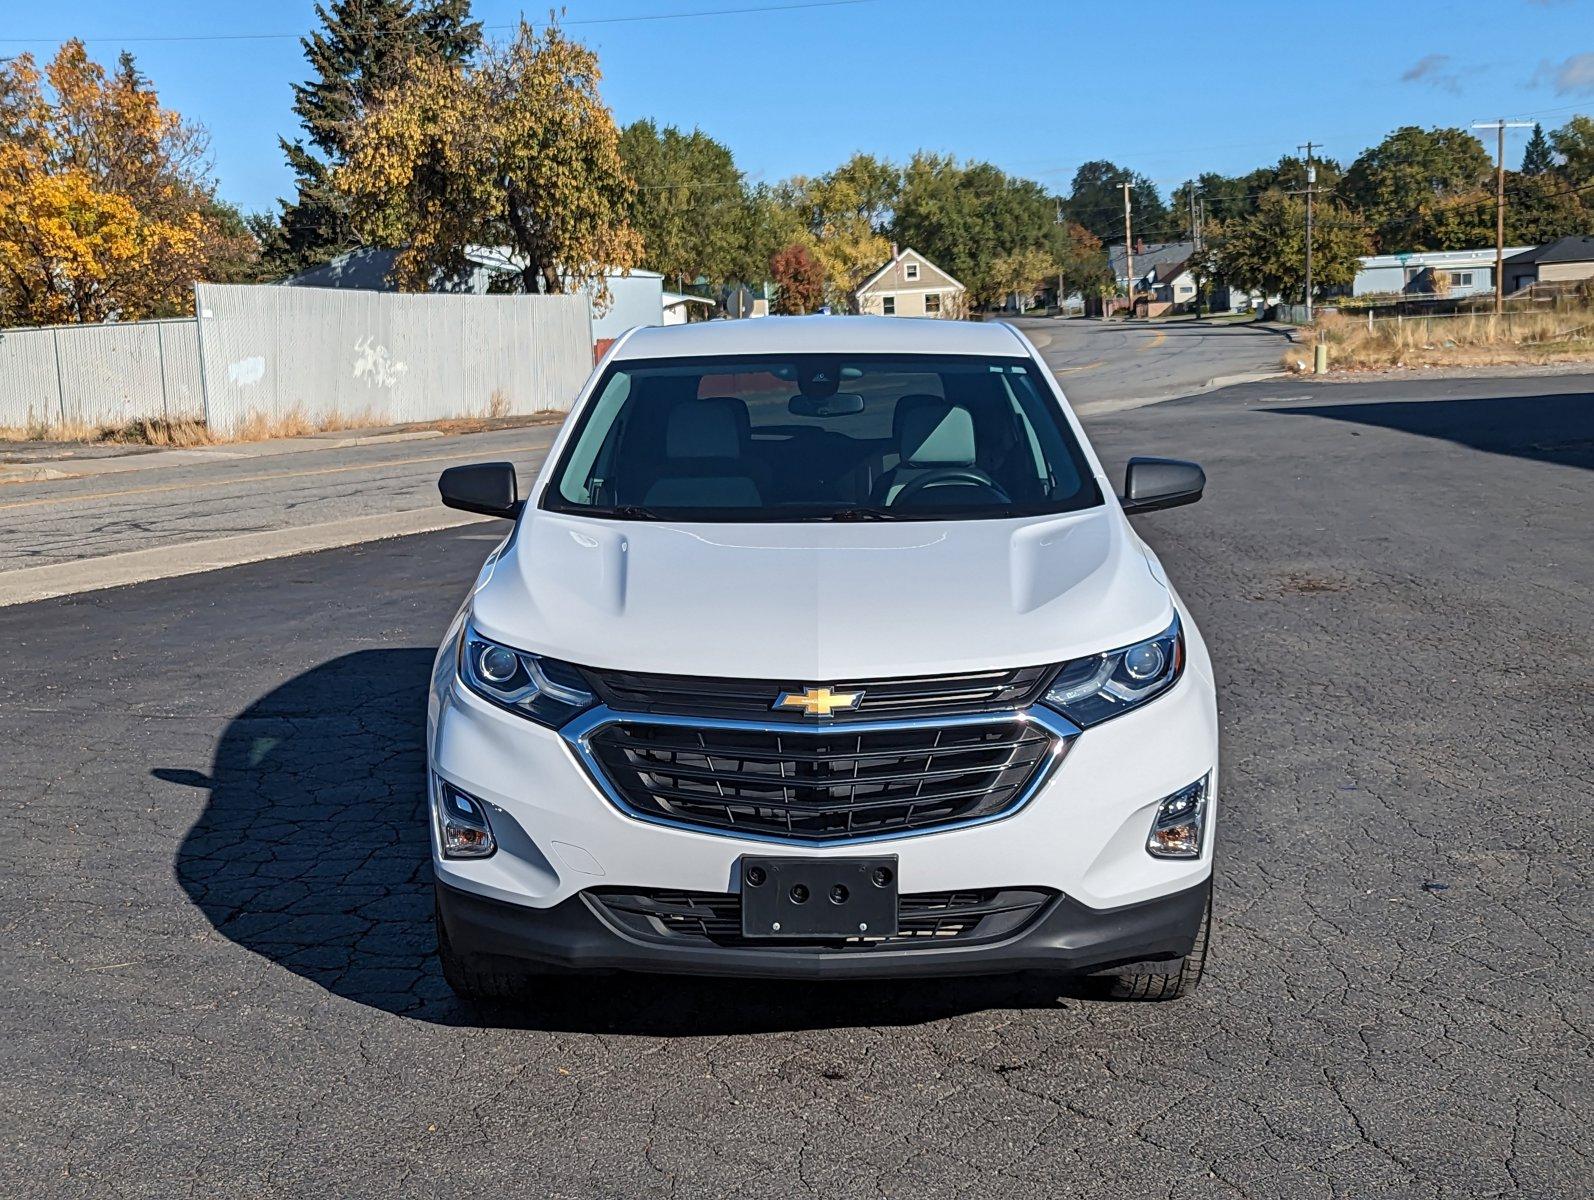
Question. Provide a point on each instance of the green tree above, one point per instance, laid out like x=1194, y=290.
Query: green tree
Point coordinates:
x=1420, y=189
x=1574, y=142
x=364, y=48
x=1537, y=157
x=1021, y=273
x=1096, y=201
x=1540, y=208
x=964, y=217
x=518, y=150
x=1266, y=250
x=691, y=206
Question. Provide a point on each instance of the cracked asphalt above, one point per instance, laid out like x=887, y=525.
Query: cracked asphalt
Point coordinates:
x=216, y=974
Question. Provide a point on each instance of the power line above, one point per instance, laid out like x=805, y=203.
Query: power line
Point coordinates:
x=628, y=20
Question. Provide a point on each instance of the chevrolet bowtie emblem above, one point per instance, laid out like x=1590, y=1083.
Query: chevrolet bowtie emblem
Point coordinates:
x=819, y=702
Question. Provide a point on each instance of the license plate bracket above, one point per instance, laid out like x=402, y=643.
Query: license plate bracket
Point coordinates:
x=818, y=898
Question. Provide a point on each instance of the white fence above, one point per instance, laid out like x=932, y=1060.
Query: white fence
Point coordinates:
x=325, y=354
x=77, y=375
x=333, y=354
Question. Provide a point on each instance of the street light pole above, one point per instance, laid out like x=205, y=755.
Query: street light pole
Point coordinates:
x=1500, y=127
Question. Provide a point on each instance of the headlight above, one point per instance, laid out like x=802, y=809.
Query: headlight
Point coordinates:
x=1089, y=690
x=548, y=691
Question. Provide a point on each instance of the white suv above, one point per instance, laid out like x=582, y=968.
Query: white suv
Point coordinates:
x=822, y=648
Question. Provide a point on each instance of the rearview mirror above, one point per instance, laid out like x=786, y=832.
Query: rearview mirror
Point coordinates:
x=838, y=404
x=1153, y=483
x=487, y=488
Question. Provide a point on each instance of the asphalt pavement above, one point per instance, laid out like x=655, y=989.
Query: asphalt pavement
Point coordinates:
x=1106, y=366
x=216, y=976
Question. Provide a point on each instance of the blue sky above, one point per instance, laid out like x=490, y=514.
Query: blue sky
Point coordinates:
x=1036, y=87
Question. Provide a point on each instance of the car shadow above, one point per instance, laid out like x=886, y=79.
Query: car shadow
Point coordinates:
x=1554, y=428
x=313, y=853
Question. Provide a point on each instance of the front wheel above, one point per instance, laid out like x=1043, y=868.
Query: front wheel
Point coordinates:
x=1172, y=980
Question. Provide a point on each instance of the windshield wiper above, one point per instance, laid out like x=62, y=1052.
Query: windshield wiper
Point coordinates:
x=858, y=514
x=628, y=512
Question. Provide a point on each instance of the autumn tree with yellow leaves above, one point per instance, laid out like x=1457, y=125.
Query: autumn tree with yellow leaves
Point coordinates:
x=107, y=209
x=515, y=150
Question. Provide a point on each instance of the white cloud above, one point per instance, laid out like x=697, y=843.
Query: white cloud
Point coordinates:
x=1433, y=70
x=1570, y=77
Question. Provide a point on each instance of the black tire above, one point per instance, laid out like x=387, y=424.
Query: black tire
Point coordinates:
x=480, y=978
x=1169, y=981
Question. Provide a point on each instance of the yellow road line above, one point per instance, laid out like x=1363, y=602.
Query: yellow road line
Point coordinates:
x=1153, y=343
x=261, y=478
x=1090, y=366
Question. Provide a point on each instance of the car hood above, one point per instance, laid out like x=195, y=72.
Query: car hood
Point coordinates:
x=821, y=600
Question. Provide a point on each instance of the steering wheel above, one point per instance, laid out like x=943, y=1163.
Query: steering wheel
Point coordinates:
x=943, y=475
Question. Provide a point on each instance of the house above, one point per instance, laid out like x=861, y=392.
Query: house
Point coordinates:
x=910, y=285
x=679, y=306
x=1147, y=258
x=1565, y=260
x=1173, y=282
x=1465, y=273
x=635, y=297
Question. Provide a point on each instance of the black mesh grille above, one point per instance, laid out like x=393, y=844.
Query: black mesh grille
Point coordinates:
x=925, y=917
x=934, y=695
x=821, y=785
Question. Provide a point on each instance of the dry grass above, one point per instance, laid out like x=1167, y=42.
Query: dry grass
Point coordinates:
x=1473, y=339
x=188, y=432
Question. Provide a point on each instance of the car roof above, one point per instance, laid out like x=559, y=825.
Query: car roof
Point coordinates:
x=824, y=335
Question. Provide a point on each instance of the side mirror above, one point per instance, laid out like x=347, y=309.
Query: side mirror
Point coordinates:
x=487, y=488
x=1153, y=483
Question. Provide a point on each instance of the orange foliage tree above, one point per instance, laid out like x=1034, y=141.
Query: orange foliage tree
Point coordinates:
x=107, y=210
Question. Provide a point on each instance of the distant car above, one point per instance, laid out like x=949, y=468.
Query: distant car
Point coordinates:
x=822, y=649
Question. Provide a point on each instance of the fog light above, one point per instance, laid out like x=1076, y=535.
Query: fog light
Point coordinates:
x=1180, y=821
x=462, y=826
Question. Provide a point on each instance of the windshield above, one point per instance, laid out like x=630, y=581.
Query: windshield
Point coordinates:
x=810, y=437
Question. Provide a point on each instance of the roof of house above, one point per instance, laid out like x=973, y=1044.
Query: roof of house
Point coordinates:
x=905, y=252
x=1166, y=272
x=1149, y=258
x=1577, y=248
x=824, y=335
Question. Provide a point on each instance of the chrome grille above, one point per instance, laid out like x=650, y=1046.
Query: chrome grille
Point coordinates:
x=827, y=784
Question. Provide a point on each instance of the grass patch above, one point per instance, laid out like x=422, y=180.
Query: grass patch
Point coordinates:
x=1474, y=339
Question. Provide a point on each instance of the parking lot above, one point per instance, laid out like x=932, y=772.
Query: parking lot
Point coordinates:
x=216, y=977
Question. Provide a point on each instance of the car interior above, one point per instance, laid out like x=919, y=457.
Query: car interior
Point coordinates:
x=895, y=440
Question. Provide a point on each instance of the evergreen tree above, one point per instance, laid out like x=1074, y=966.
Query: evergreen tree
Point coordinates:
x=363, y=48
x=1537, y=158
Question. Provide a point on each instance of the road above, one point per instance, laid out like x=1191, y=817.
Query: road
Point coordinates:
x=216, y=977
x=1109, y=365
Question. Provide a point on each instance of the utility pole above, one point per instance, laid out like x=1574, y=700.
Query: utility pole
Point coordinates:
x=1311, y=180
x=1195, y=229
x=1499, y=205
x=1129, y=253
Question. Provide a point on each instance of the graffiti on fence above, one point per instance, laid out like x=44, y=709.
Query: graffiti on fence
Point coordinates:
x=375, y=365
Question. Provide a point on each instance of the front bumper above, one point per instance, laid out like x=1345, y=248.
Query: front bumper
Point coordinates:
x=1081, y=834
x=1066, y=937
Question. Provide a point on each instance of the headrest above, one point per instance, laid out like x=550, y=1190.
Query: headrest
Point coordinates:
x=714, y=427
x=932, y=432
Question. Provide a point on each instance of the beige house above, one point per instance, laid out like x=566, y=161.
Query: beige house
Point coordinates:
x=1565, y=260
x=910, y=285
